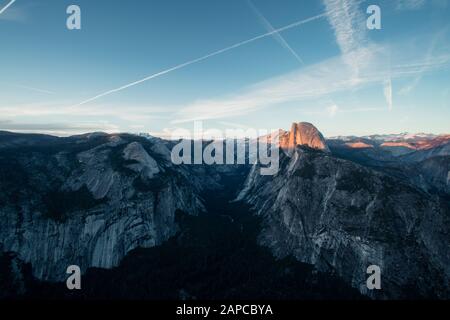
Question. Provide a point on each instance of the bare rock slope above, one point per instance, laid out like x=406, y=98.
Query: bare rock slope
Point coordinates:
x=343, y=217
x=88, y=200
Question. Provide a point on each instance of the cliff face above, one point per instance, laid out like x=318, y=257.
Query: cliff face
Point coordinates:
x=432, y=175
x=420, y=160
x=88, y=200
x=343, y=217
x=303, y=133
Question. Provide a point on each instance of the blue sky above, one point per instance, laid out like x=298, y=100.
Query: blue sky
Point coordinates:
x=225, y=63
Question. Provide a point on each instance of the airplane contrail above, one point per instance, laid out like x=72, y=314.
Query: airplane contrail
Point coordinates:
x=276, y=35
x=185, y=64
x=35, y=89
x=7, y=6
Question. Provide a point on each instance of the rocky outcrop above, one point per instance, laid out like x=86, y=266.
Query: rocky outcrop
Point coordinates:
x=432, y=175
x=304, y=134
x=143, y=162
x=422, y=160
x=401, y=148
x=343, y=217
x=88, y=201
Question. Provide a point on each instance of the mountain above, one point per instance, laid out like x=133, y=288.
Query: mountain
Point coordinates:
x=214, y=255
x=407, y=157
x=432, y=175
x=117, y=206
x=302, y=133
x=138, y=226
x=343, y=217
x=404, y=147
x=87, y=200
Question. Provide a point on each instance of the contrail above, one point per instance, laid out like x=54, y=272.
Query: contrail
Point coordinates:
x=276, y=35
x=35, y=89
x=7, y=6
x=215, y=53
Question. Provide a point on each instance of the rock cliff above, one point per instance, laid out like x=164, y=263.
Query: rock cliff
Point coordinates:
x=88, y=200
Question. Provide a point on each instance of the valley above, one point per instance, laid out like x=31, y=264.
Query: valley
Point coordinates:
x=141, y=227
x=214, y=255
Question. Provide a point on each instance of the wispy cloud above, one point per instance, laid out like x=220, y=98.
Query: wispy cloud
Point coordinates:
x=233, y=125
x=348, y=23
x=35, y=89
x=347, y=33
x=276, y=35
x=437, y=38
x=59, y=129
x=332, y=110
x=137, y=113
x=387, y=90
x=409, y=4
x=315, y=81
x=61, y=108
x=360, y=110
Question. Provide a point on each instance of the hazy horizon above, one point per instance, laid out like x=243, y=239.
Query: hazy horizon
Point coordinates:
x=167, y=137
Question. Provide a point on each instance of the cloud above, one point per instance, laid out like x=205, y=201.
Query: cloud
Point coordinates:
x=348, y=24
x=233, y=125
x=438, y=38
x=56, y=117
x=59, y=129
x=409, y=4
x=55, y=109
x=35, y=89
x=315, y=81
x=388, y=92
x=332, y=110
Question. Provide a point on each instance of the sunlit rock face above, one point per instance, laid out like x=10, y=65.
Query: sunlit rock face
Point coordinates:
x=303, y=133
x=358, y=145
x=343, y=217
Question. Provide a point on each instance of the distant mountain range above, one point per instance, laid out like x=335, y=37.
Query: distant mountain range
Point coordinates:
x=113, y=203
x=422, y=159
x=396, y=144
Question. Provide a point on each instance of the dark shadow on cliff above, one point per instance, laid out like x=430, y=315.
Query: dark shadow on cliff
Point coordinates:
x=213, y=256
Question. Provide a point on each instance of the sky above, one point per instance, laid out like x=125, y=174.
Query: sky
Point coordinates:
x=158, y=65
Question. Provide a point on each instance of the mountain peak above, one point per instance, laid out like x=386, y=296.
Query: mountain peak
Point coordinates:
x=303, y=133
